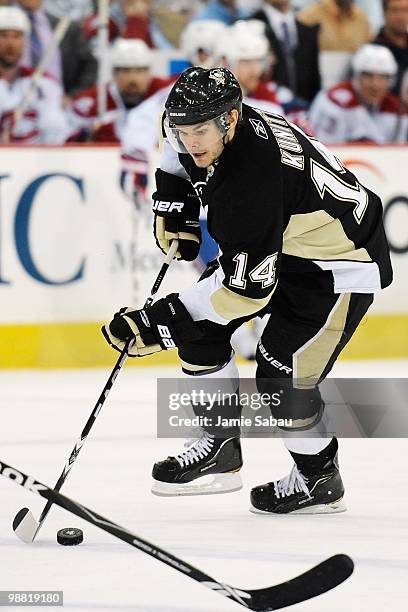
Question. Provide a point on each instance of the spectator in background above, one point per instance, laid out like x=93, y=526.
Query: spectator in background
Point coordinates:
x=222, y=10
x=172, y=16
x=43, y=119
x=129, y=19
x=76, y=9
x=343, y=26
x=72, y=65
x=199, y=39
x=244, y=50
x=131, y=84
x=362, y=109
x=295, y=47
x=404, y=91
x=394, y=35
x=372, y=8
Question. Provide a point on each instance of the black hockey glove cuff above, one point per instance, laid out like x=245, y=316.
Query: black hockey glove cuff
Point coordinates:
x=177, y=210
x=167, y=324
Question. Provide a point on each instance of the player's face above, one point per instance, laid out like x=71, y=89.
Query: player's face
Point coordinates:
x=248, y=72
x=136, y=8
x=132, y=82
x=12, y=44
x=204, y=142
x=373, y=87
x=280, y=5
x=31, y=5
x=396, y=16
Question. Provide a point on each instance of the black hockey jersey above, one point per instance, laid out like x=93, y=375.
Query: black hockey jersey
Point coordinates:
x=278, y=198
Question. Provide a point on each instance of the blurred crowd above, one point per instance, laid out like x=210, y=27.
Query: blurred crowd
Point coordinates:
x=337, y=68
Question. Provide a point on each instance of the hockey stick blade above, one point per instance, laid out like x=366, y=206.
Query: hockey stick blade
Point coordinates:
x=317, y=580
x=25, y=525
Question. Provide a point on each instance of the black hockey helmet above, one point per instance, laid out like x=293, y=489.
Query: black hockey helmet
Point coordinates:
x=201, y=94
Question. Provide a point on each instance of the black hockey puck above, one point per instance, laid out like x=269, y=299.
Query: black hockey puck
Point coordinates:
x=70, y=536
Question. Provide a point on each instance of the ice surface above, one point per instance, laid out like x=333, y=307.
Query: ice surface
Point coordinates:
x=42, y=414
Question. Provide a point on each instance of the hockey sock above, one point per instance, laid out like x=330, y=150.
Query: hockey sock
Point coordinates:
x=218, y=391
x=310, y=464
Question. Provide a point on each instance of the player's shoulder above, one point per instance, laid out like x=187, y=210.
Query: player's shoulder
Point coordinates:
x=85, y=103
x=25, y=72
x=158, y=83
x=343, y=96
x=251, y=171
x=391, y=104
x=255, y=130
x=253, y=155
x=49, y=85
x=265, y=91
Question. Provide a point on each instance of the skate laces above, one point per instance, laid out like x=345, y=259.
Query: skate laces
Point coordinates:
x=197, y=449
x=294, y=482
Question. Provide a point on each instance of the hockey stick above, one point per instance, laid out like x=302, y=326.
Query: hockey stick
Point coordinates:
x=25, y=525
x=103, y=56
x=317, y=580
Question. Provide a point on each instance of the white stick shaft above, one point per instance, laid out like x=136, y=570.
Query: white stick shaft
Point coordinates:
x=172, y=251
x=57, y=37
x=103, y=44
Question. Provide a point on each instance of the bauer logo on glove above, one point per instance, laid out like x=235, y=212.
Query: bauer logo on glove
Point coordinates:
x=177, y=209
x=165, y=325
x=160, y=206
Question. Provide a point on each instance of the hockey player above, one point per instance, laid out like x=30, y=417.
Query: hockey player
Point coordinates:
x=245, y=51
x=43, y=120
x=131, y=84
x=199, y=39
x=280, y=206
x=140, y=134
x=362, y=109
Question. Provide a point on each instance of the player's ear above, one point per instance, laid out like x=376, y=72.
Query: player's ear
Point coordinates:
x=234, y=116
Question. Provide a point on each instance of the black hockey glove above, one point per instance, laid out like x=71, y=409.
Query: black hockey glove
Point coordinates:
x=176, y=215
x=165, y=325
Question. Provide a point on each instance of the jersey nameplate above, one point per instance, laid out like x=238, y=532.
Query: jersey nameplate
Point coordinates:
x=288, y=144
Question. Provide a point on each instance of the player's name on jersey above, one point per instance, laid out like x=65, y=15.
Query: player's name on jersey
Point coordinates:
x=219, y=421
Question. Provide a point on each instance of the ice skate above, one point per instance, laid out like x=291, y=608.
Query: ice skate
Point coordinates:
x=321, y=493
x=209, y=465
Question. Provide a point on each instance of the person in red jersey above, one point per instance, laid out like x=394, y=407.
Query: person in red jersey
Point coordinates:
x=132, y=83
x=362, y=109
x=42, y=120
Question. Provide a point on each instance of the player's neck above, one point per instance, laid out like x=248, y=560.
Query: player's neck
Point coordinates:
x=8, y=74
x=230, y=134
x=398, y=39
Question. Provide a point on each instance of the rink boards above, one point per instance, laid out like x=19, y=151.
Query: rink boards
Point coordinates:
x=73, y=250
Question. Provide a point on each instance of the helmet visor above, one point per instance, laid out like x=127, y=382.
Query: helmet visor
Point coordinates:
x=198, y=138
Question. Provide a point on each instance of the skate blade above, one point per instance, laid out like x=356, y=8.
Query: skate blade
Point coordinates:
x=333, y=508
x=207, y=485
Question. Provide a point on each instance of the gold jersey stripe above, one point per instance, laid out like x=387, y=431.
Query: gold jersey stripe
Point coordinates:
x=318, y=235
x=231, y=305
x=310, y=360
